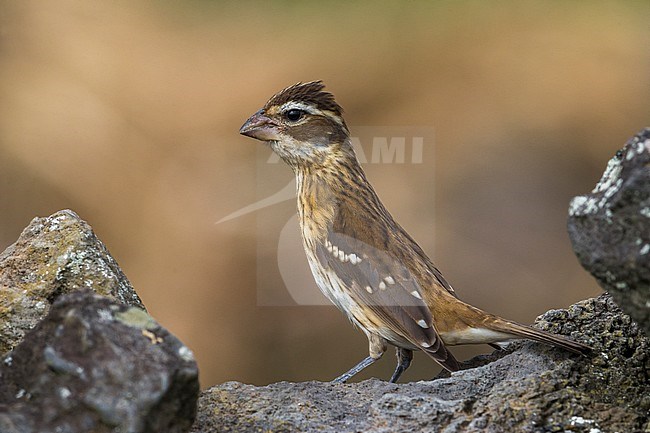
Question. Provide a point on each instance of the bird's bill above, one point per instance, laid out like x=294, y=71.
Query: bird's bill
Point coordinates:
x=260, y=127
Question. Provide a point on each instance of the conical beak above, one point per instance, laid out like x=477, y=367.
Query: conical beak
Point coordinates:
x=260, y=127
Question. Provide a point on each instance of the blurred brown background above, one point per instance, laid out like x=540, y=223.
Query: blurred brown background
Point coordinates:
x=128, y=113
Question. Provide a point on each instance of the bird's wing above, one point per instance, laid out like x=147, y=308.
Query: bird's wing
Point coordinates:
x=381, y=282
x=437, y=275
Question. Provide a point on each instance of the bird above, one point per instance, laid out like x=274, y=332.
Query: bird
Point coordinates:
x=362, y=260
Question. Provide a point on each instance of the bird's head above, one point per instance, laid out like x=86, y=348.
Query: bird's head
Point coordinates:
x=303, y=124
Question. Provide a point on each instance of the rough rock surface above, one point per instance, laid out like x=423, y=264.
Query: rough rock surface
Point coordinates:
x=54, y=255
x=610, y=229
x=93, y=365
x=525, y=388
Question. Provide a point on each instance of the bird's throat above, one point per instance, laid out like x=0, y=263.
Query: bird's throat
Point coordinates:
x=325, y=194
x=317, y=203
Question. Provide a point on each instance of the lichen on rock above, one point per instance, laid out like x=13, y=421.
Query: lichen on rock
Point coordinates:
x=85, y=369
x=81, y=353
x=54, y=255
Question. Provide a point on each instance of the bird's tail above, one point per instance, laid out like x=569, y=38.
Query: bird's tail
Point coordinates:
x=518, y=330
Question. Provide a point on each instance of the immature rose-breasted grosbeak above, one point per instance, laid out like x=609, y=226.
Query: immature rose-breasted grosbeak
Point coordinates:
x=362, y=260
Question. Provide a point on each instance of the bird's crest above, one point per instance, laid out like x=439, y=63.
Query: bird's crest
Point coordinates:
x=309, y=93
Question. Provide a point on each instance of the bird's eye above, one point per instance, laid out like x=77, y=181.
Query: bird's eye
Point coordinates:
x=294, y=114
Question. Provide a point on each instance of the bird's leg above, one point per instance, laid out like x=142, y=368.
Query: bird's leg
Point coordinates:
x=404, y=357
x=354, y=370
x=376, y=347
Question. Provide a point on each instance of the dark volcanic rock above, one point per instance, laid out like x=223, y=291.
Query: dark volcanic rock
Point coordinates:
x=610, y=229
x=526, y=388
x=53, y=256
x=93, y=365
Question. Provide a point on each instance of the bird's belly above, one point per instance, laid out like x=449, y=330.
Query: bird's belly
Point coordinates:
x=363, y=317
x=334, y=290
x=331, y=286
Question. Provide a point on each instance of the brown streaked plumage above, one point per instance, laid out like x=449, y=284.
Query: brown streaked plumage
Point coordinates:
x=361, y=258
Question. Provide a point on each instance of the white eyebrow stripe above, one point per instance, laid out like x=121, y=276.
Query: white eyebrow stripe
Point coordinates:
x=310, y=109
x=293, y=105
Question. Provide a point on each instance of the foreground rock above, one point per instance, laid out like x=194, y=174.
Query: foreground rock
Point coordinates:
x=610, y=229
x=93, y=365
x=526, y=388
x=53, y=256
x=77, y=362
